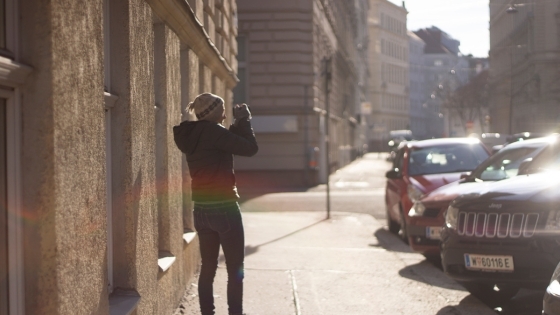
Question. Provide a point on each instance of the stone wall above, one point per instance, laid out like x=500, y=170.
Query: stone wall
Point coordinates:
x=105, y=211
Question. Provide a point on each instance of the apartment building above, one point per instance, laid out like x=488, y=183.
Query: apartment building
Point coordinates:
x=389, y=66
x=418, y=109
x=524, y=66
x=289, y=52
x=95, y=215
x=445, y=70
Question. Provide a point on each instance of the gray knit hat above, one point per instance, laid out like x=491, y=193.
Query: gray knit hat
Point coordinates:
x=205, y=106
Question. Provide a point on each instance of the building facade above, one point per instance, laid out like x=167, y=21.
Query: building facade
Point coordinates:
x=445, y=69
x=388, y=63
x=290, y=51
x=524, y=66
x=418, y=111
x=96, y=214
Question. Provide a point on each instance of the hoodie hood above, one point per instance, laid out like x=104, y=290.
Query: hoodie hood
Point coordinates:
x=187, y=135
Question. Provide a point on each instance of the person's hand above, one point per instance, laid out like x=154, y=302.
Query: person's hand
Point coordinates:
x=241, y=111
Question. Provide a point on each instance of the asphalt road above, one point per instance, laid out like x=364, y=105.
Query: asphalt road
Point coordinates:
x=360, y=188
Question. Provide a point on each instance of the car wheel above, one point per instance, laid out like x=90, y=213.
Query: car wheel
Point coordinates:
x=490, y=293
x=402, y=232
x=392, y=225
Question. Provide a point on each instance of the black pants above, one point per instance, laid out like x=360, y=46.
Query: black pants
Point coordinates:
x=217, y=225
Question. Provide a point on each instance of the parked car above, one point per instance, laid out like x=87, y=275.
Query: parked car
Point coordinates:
x=517, y=137
x=506, y=235
x=396, y=137
x=494, y=141
x=551, y=300
x=422, y=166
x=426, y=215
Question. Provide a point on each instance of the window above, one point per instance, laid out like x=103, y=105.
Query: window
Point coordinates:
x=505, y=165
x=8, y=28
x=4, y=282
x=109, y=102
x=446, y=159
x=3, y=25
x=240, y=90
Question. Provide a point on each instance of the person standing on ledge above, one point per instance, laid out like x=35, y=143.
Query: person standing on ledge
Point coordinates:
x=209, y=148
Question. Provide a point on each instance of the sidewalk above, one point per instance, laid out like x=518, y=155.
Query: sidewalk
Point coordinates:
x=299, y=263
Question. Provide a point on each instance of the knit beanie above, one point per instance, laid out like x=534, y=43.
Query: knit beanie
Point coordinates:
x=207, y=106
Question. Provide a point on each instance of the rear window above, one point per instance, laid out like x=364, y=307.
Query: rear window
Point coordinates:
x=451, y=158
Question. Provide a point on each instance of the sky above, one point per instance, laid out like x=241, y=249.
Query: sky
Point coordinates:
x=465, y=20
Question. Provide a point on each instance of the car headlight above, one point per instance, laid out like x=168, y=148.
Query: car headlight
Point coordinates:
x=553, y=221
x=417, y=210
x=414, y=193
x=554, y=286
x=451, y=216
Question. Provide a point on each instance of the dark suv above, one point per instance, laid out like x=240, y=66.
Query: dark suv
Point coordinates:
x=507, y=234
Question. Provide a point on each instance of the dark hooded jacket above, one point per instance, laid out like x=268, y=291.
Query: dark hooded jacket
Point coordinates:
x=209, y=148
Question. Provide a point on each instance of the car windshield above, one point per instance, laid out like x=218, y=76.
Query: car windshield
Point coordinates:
x=547, y=160
x=451, y=158
x=505, y=164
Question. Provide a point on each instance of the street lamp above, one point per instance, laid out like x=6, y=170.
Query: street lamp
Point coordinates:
x=511, y=10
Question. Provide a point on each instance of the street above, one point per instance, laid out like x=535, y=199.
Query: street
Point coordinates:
x=383, y=277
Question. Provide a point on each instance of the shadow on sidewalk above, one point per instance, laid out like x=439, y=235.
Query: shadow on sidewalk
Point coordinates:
x=249, y=250
x=248, y=193
x=464, y=307
x=390, y=242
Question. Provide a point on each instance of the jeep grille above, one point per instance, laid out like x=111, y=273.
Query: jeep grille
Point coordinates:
x=481, y=224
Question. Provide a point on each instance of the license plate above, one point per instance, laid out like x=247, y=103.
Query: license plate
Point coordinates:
x=489, y=262
x=433, y=232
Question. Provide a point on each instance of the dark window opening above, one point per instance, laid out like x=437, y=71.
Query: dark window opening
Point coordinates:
x=4, y=299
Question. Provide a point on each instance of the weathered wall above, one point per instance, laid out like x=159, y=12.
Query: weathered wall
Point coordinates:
x=154, y=69
x=63, y=157
x=133, y=133
x=169, y=165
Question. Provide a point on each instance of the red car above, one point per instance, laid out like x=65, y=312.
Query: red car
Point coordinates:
x=426, y=217
x=422, y=166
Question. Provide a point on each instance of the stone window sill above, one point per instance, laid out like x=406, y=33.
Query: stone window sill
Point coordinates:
x=165, y=261
x=12, y=73
x=123, y=302
x=189, y=236
x=110, y=100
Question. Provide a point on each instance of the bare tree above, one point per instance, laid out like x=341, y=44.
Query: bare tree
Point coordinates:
x=470, y=101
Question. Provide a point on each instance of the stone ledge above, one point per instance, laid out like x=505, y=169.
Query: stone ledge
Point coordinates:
x=188, y=237
x=13, y=73
x=123, y=302
x=110, y=100
x=165, y=261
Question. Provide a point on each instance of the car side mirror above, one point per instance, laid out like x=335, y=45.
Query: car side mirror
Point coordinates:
x=525, y=167
x=465, y=175
x=393, y=174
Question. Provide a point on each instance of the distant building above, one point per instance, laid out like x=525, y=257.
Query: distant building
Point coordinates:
x=283, y=46
x=419, y=114
x=525, y=66
x=389, y=66
x=445, y=69
x=95, y=209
